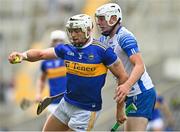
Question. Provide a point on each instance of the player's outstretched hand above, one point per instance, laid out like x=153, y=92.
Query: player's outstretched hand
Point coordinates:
x=15, y=57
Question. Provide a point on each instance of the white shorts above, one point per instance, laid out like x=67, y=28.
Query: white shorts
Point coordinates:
x=52, y=107
x=155, y=124
x=76, y=118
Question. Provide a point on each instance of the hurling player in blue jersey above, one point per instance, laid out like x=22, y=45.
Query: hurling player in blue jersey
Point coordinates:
x=54, y=71
x=87, y=62
x=123, y=42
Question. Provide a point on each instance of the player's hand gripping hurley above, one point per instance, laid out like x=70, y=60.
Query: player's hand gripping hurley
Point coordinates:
x=128, y=109
x=48, y=100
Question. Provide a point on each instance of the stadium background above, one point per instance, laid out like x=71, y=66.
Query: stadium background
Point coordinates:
x=27, y=24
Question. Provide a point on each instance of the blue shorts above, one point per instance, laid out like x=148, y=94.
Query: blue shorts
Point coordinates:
x=144, y=102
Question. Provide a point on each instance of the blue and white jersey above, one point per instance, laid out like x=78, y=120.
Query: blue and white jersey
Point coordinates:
x=124, y=44
x=86, y=72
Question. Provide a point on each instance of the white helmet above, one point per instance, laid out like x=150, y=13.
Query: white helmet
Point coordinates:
x=81, y=21
x=109, y=10
x=58, y=34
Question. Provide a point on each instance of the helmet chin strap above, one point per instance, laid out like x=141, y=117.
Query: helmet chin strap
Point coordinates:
x=107, y=33
x=80, y=45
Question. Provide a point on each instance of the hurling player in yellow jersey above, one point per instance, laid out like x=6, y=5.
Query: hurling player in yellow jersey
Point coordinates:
x=87, y=62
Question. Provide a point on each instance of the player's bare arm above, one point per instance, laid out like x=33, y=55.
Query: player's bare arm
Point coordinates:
x=120, y=113
x=138, y=69
x=32, y=55
x=118, y=71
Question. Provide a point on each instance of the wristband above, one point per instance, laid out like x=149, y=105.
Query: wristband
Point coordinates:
x=25, y=57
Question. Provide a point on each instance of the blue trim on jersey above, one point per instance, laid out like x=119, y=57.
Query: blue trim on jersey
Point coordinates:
x=141, y=85
x=131, y=51
x=118, y=30
x=129, y=44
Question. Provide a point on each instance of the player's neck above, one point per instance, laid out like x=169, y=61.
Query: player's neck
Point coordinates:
x=114, y=30
x=88, y=42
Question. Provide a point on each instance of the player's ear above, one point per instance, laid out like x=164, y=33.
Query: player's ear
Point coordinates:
x=89, y=30
x=113, y=19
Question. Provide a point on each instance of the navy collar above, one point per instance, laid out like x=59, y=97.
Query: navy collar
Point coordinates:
x=118, y=29
x=115, y=33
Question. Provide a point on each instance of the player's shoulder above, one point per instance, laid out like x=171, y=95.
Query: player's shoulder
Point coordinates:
x=124, y=32
x=124, y=35
x=99, y=44
x=63, y=45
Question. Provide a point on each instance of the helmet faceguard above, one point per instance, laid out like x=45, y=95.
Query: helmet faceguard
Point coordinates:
x=109, y=10
x=81, y=21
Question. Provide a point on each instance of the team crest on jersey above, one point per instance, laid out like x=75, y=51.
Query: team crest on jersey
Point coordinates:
x=70, y=53
x=91, y=57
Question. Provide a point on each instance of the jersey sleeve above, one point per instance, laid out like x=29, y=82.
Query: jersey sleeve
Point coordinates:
x=59, y=50
x=109, y=57
x=129, y=44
